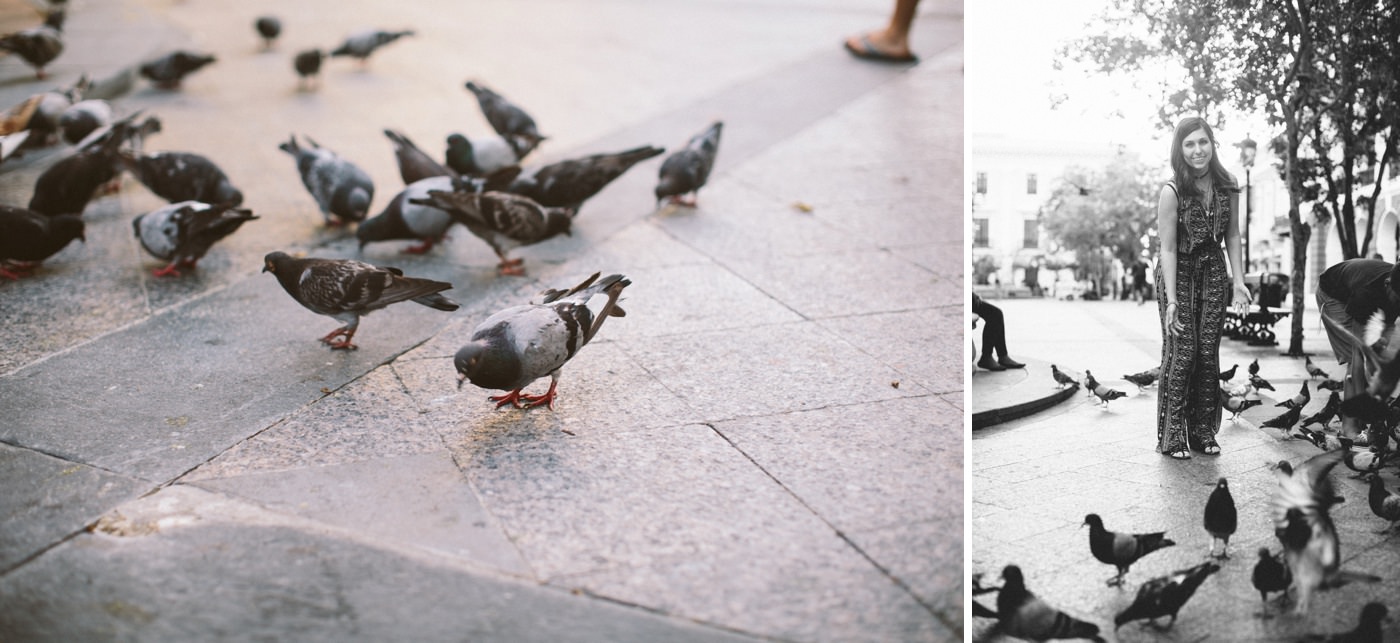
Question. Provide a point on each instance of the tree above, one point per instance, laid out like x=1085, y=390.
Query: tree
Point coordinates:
x=1111, y=209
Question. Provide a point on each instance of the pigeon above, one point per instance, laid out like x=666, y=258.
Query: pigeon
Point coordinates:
x=68, y=185
x=361, y=44
x=1121, y=550
x=1331, y=385
x=1024, y=615
x=41, y=112
x=402, y=219
x=479, y=156
x=1270, y=574
x=168, y=71
x=27, y=238
x=1254, y=367
x=1229, y=374
x=1100, y=391
x=1300, y=510
x=1165, y=595
x=183, y=176
x=84, y=118
x=1220, y=518
x=1284, y=421
x=182, y=232
x=567, y=184
x=341, y=189
x=269, y=27
x=1368, y=627
x=1328, y=412
x=521, y=344
x=1146, y=378
x=414, y=164
x=1349, y=458
x=1062, y=380
x=1238, y=405
x=39, y=45
x=308, y=67
x=504, y=221
x=1260, y=383
x=1298, y=401
x=686, y=171
x=1384, y=504
x=1313, y=370
x=1317, y=438
x=507, y=119
x=346, y=289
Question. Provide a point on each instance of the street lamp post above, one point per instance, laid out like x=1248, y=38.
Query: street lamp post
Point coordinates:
x=1248, y=148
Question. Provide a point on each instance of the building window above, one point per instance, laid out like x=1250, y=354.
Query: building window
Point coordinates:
x=1030, y=183
x=980, y=236
x=981, y=182
x=1031, y=238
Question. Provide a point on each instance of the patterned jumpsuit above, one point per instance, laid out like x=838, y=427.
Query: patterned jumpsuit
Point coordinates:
x=1188, y=401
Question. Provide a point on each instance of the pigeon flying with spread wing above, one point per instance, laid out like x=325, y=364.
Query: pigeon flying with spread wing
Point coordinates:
x=1165, y=595
x=567, y=184
x=687, y=170
x=342, y=190
x=183, y=176
x=521, y=344
x=508, y=119
x=1062, y=380
x=1270, y=574
x=38, y=46
x=1220, y=518
x=27, y=238
x=414, y=164
x=182, y=232
x=345, y=290
x=1024, y=615
x=1121, y=550
x=504, y=221
x=168, y=71
x=1302, y=522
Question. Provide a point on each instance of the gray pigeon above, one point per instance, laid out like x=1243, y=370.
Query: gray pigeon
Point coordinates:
x=479, y=155
x=507, y=119
x=411, y=215
x=168, y=71
x=521, y=344
x=27, y=238
x=346, y=289
x=341, y=188
x=182, y=176
x=504, y=221
x=414, y=164
x=39, y=45
x=361, y=44
x=182, y=232
x=687, y=170
x=269, y=27
x=567, y=184
x=308, y=66
x=83, y=118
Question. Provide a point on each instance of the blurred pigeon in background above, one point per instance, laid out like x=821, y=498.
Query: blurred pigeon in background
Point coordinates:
x=687, y=170
x=341, y=189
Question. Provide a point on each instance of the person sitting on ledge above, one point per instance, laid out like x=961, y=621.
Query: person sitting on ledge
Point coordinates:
x=993, y=337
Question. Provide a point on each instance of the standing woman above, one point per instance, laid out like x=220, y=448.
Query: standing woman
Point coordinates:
x=1196, y=210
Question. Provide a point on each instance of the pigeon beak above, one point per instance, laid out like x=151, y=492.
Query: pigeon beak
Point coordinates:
x=461, y=377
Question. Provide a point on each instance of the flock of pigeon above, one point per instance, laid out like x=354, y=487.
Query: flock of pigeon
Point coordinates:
x=479, y=184
x=1309, y=557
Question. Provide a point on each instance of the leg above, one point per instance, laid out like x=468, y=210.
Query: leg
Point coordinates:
x=169, y=270
x=1177, y=353
x=346, y=332
x=1204, y=398
x=547, y=398
x=1347, y=353
x=421, y=248
x=892, y=42
x=993, y=333
x=512, y=398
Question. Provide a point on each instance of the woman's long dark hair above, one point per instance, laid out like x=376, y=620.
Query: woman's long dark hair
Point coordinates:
x=1181, y=170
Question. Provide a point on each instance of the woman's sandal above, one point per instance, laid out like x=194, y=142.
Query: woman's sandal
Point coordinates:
x=1211, y=449
x=1180, y=454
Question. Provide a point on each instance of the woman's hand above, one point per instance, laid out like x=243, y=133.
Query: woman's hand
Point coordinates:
x=1242, y=299
x=1174, y=326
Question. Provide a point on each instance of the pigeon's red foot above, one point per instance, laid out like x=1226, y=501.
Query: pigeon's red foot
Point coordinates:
x=111, y=187
x=168, y=271
x=421, y=248
x=16, y=274
x=512, y=267
x=334, y=223
x=343, y=344
x=689, y=203
x=547, y=399
x=512, y=398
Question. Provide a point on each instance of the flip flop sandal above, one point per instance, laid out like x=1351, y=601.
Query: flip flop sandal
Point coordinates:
x=1179, y=454
x=867, y=51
